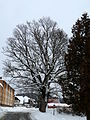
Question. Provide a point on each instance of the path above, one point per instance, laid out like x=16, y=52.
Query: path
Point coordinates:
x=16, y=116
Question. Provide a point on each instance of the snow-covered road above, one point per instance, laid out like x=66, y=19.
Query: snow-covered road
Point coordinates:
x=16, y=116
x=35, y=114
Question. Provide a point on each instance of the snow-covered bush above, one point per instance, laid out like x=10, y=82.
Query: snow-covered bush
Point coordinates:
x=64, y=109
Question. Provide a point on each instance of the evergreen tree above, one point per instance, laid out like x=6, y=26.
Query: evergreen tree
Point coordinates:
x=76, y=88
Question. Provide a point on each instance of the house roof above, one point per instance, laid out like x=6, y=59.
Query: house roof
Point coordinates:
x=22, y=99
x=16, y=98
x=5, y=83
x=30, y=95
x=1, y=85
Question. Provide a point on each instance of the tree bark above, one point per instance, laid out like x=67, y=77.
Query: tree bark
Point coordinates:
x=42, y=105
x=42, y=102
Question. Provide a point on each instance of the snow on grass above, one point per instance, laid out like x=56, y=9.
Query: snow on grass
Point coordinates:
x=37, y=115
x=69, y=117
x=49, y=116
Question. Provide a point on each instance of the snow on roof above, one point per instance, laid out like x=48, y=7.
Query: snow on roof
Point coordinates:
x=58, y=104
x=20, y=98
x=1, y=85
x=23, y=99
x=26, y=99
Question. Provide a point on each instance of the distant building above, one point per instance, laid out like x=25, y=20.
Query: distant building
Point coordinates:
x=33, y=98
x=23, y=101
x=6, y=94
x=53, y=102
x=17, y=101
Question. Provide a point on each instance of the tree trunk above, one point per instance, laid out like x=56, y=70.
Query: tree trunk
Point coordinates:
x=42, y=105
x=42, y=102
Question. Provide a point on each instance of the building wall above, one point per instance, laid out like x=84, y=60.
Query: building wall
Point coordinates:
x=6, y=94
x=53, y=100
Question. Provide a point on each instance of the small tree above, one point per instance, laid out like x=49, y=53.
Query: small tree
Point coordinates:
x=77, y=60
x=36, y=55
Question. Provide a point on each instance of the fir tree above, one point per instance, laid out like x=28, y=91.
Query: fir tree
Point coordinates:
x=76, y=88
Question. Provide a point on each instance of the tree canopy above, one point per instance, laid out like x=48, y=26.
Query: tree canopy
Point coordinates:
x=36, y=54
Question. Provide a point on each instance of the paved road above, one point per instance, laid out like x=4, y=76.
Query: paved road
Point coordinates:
x=16, y=116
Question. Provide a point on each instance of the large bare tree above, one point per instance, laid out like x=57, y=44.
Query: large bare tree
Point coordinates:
x=36, y=55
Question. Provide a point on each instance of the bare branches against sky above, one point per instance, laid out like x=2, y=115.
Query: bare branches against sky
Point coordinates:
x=13, y=12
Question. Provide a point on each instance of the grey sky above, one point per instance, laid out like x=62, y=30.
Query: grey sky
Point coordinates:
x=13, y=12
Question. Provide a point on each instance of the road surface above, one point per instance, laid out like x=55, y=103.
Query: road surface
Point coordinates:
x=16, y=116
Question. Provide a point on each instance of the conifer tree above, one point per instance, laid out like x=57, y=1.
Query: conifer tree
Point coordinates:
x=76, y=88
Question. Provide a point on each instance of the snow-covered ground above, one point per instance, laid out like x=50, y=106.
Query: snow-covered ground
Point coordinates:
x=1, y=112
x=36, y=115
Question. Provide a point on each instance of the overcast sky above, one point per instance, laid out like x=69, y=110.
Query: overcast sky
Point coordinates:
x=13, y=12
